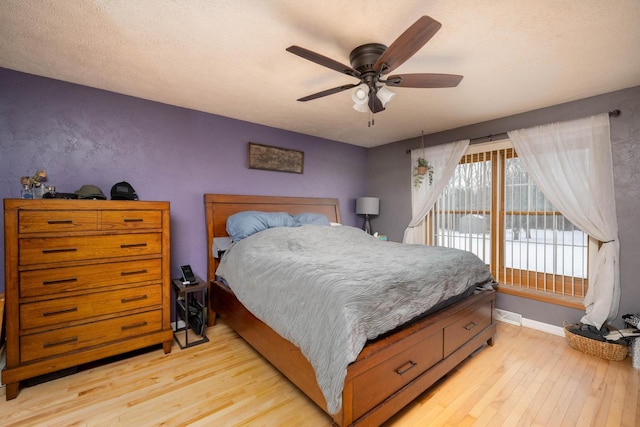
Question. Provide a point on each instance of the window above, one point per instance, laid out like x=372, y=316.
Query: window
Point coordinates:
x=492, y=208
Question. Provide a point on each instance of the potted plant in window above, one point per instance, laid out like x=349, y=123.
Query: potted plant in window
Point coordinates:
x=421, y=169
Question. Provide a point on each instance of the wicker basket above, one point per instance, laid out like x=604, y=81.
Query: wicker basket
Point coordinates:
x=603, y=349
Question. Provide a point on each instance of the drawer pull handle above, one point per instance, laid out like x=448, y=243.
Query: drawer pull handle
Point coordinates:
x=135, y=325
x=62, y=342
x=53, y=313
x=470, y=326
x=55, y=282
x=126, y=300
x=130, y=273
x=404, y=368
x=55, y=251
x=60, y=221
x=133, y=220
x=133, y=245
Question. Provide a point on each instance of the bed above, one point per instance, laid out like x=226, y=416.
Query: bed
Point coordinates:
x=392, y=369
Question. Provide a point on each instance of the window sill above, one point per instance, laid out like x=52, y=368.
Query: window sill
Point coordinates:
x=566, y=301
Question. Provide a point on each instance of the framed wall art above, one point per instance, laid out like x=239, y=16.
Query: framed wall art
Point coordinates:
x=267, y=157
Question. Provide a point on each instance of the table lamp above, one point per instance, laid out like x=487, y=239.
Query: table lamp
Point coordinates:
x=367, y=206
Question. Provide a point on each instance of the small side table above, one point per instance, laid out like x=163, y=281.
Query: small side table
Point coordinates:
x=193, y=311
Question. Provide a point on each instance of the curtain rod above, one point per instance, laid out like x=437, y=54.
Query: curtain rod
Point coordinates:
x=504, y=135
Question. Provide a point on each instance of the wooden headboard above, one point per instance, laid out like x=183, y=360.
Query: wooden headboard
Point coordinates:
x=218, y=207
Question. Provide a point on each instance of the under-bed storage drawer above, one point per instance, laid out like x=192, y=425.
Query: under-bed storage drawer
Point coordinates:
x=465, y=328
x=395, y=372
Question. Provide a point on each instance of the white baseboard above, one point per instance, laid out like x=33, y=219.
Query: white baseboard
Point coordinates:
x=518, y=320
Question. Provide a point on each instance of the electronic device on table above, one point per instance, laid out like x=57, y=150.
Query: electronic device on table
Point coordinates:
x=188, y=278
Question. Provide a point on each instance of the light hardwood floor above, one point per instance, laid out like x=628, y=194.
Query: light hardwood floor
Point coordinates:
x=528, y=378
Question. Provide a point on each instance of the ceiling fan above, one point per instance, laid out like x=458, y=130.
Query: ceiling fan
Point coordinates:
x=371, y=61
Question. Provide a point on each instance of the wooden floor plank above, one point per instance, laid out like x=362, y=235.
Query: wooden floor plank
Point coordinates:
x=518, y=401
x=630, y=415
x=551, y=390
x=615, y=411
x=544, y=380
x=605, y=396
x=581, y=392
x=527, y=378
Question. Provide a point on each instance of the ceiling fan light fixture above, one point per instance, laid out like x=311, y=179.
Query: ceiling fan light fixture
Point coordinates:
x=360, y=98
x=385, y=95
x=362, y=108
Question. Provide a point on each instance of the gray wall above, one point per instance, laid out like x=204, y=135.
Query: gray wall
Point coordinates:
x=389, y=178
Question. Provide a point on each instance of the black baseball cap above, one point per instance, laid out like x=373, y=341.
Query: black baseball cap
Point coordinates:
x=123, y=191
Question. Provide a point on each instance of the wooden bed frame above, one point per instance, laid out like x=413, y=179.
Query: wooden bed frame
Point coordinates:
x=390, y=371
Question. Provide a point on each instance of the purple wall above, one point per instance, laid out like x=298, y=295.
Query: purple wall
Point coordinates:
x=82, y=136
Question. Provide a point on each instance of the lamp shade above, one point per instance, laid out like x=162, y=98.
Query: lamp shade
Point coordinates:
x=385, y=95
x=360, y=98
x=362, y=108
x=367, y=206
x=360, y=94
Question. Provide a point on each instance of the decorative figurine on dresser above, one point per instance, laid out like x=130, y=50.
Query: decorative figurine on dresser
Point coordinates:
x=84, y=280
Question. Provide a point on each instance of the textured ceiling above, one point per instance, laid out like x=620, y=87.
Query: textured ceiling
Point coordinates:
x=229, y=58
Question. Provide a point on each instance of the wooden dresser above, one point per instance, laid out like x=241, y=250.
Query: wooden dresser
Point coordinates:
x=85, y=279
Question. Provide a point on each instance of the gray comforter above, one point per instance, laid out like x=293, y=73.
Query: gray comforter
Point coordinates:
x=330, y=289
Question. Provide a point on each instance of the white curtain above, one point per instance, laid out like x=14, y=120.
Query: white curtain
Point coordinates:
x=444, y=159
x=571, y=164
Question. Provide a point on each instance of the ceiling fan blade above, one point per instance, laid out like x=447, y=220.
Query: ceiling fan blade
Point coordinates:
x=323, y=60
x=405, y=46
x=424, y=80
x=327, y=92
x=375, y=105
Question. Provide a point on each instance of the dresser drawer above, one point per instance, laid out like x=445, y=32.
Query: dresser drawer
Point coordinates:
x=51, y=221
x=131, y=220
x=53, y=281
x=56, y=311
x=466, y=328
x=59, y=249
x=395, y=372
x=60, y=341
